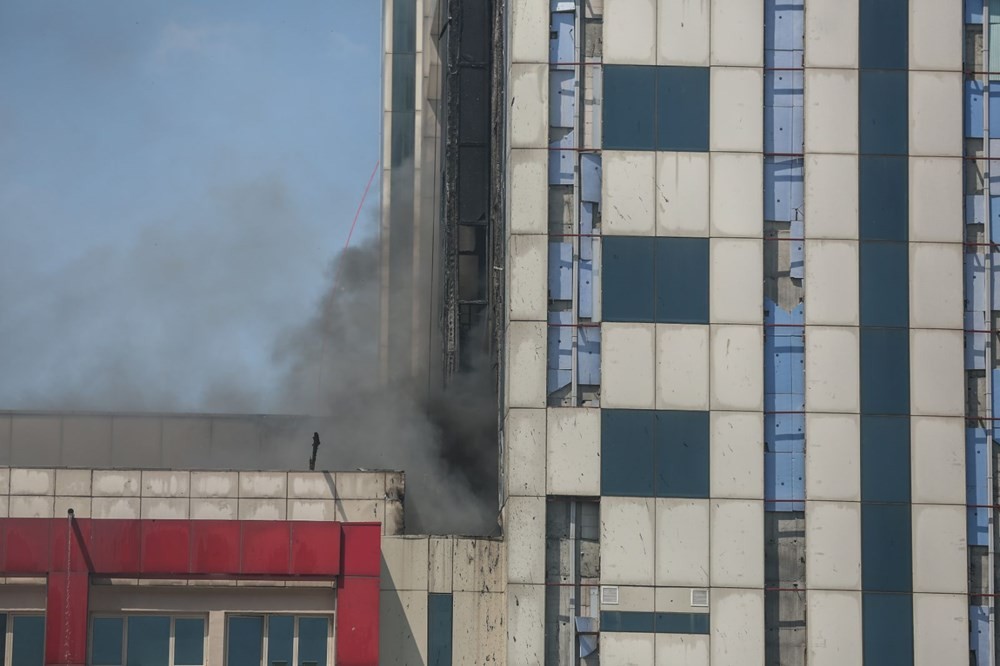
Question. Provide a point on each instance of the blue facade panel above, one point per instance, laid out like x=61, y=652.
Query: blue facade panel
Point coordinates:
x=562, y=98
x=681, y=288
x=559, y=372
x=885, y=459
x=627, y=278
x=885, y=371
x=562, y=38
x=979, y=633
x=560, y=271
x=629, y=118
x=590, y=179
x=884, y=206
x=884, y=284
x=977, y=486
x=883, y=120
x=973, y=109
x=681, y=454
x=786, y=29
x=627, y=452
x=682, y=103
x=883, y=33
x=887, y=627
x=588, y=355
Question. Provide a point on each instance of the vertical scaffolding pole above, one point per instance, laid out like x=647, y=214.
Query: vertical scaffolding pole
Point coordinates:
x=988, y=277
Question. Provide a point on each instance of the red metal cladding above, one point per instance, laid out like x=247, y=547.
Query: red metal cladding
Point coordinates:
x=362, y=549
x=215, y=547
x=266, y=548
x=69, y=552
x=66, y=618
x=357, y=621
x=28, y=547
x=114, y=546
x=166, y=547
x=315, y=548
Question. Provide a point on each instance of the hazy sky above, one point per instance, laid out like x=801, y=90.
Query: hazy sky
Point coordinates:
x=175, y=178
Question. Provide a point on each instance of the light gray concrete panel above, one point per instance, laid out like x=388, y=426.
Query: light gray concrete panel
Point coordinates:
x=86, y=441
x=186, y=442
x=35, y=440
x=479, y=635
x=135, y=442
x=403, y=628
x=235, y=443
x=5, y=434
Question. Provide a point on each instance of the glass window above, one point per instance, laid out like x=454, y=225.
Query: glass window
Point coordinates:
x=290, y=640
x=627, y=281
x=682, y=98
x=884, y=284
x=189, y=641
x=883, y=120
x=244, y=640
x=886, y=547
x=313, y=634
x=28, y=644
x=681, y=266
x=439, y=628
x=280, y=639
x=627, y=452
x=887, y=632
x=883, y=28
x=885, y=371
x=154, y=647
x=629, y=107
x=106, y=635
x=885, y=459
x=883, y=198
x=682, y=454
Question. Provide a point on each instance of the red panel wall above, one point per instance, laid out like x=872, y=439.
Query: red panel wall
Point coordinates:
x=69, y=552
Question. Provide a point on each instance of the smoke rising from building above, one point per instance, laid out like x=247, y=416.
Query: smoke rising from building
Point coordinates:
x=180, y=323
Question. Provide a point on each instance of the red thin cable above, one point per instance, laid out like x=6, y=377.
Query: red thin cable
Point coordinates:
x=336, y=278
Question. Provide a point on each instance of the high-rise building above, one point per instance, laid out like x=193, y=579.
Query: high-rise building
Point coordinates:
x=726, y=242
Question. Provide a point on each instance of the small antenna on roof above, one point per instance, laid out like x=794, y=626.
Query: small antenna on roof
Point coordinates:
x=312, y=460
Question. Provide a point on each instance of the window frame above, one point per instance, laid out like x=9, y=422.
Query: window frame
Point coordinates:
x=8, y=638
x=124, y=641
x=330, y=634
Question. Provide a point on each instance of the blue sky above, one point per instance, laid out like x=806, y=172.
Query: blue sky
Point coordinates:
x=175, y=178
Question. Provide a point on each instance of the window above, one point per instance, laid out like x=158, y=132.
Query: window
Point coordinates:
x=885, y=458
x=654, y=453
x=884, y=198
x=655, y=279
x=886, y=548
x=656, y=108
x=883, y=120
x=147, y=640
x=25, y=635
x=885, y=284
x=885, y=371
x=287, y=640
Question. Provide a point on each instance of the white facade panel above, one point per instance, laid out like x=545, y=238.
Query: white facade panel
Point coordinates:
x=940, y=560
x=738, y=32
x=831, y=368
x=940, y=629
x=630, y=32
x=737, y=627
x=524, y=531
x=737, y=367
x=32, y=506
x=734, y=277
x=682, y=650
x=737, y=109
x=404, y=563
x=574, y=451
x=682, y=536
x=832, y=33
x=214, y=508
x=937, y=467
x=524, y=443
x=529, y=106
x=627, y=648
x=627, y=541
x=214, y=484
x=935, y=34
x=529, y=31
x=683, y=32
x=737, y=546
x=682, y=194
x=831, y=113
x=165, y=508
x=525, y=624
x=68, y=482
x=936, y=119
x=628, y=181
x=831, y=268
x=32, y=481
x=406, y=613
x=937, y=377
x=833, y=457
x=737, y=447
x=527, y=293
x=111, y=507
x=627, y=365
x=936, y=196
x=737, y=206
x=682, y=366
x=936, y=299
x=831, y=196
x=528, y=183
x=833, y=545
x=526, y=364
x=833, y=632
